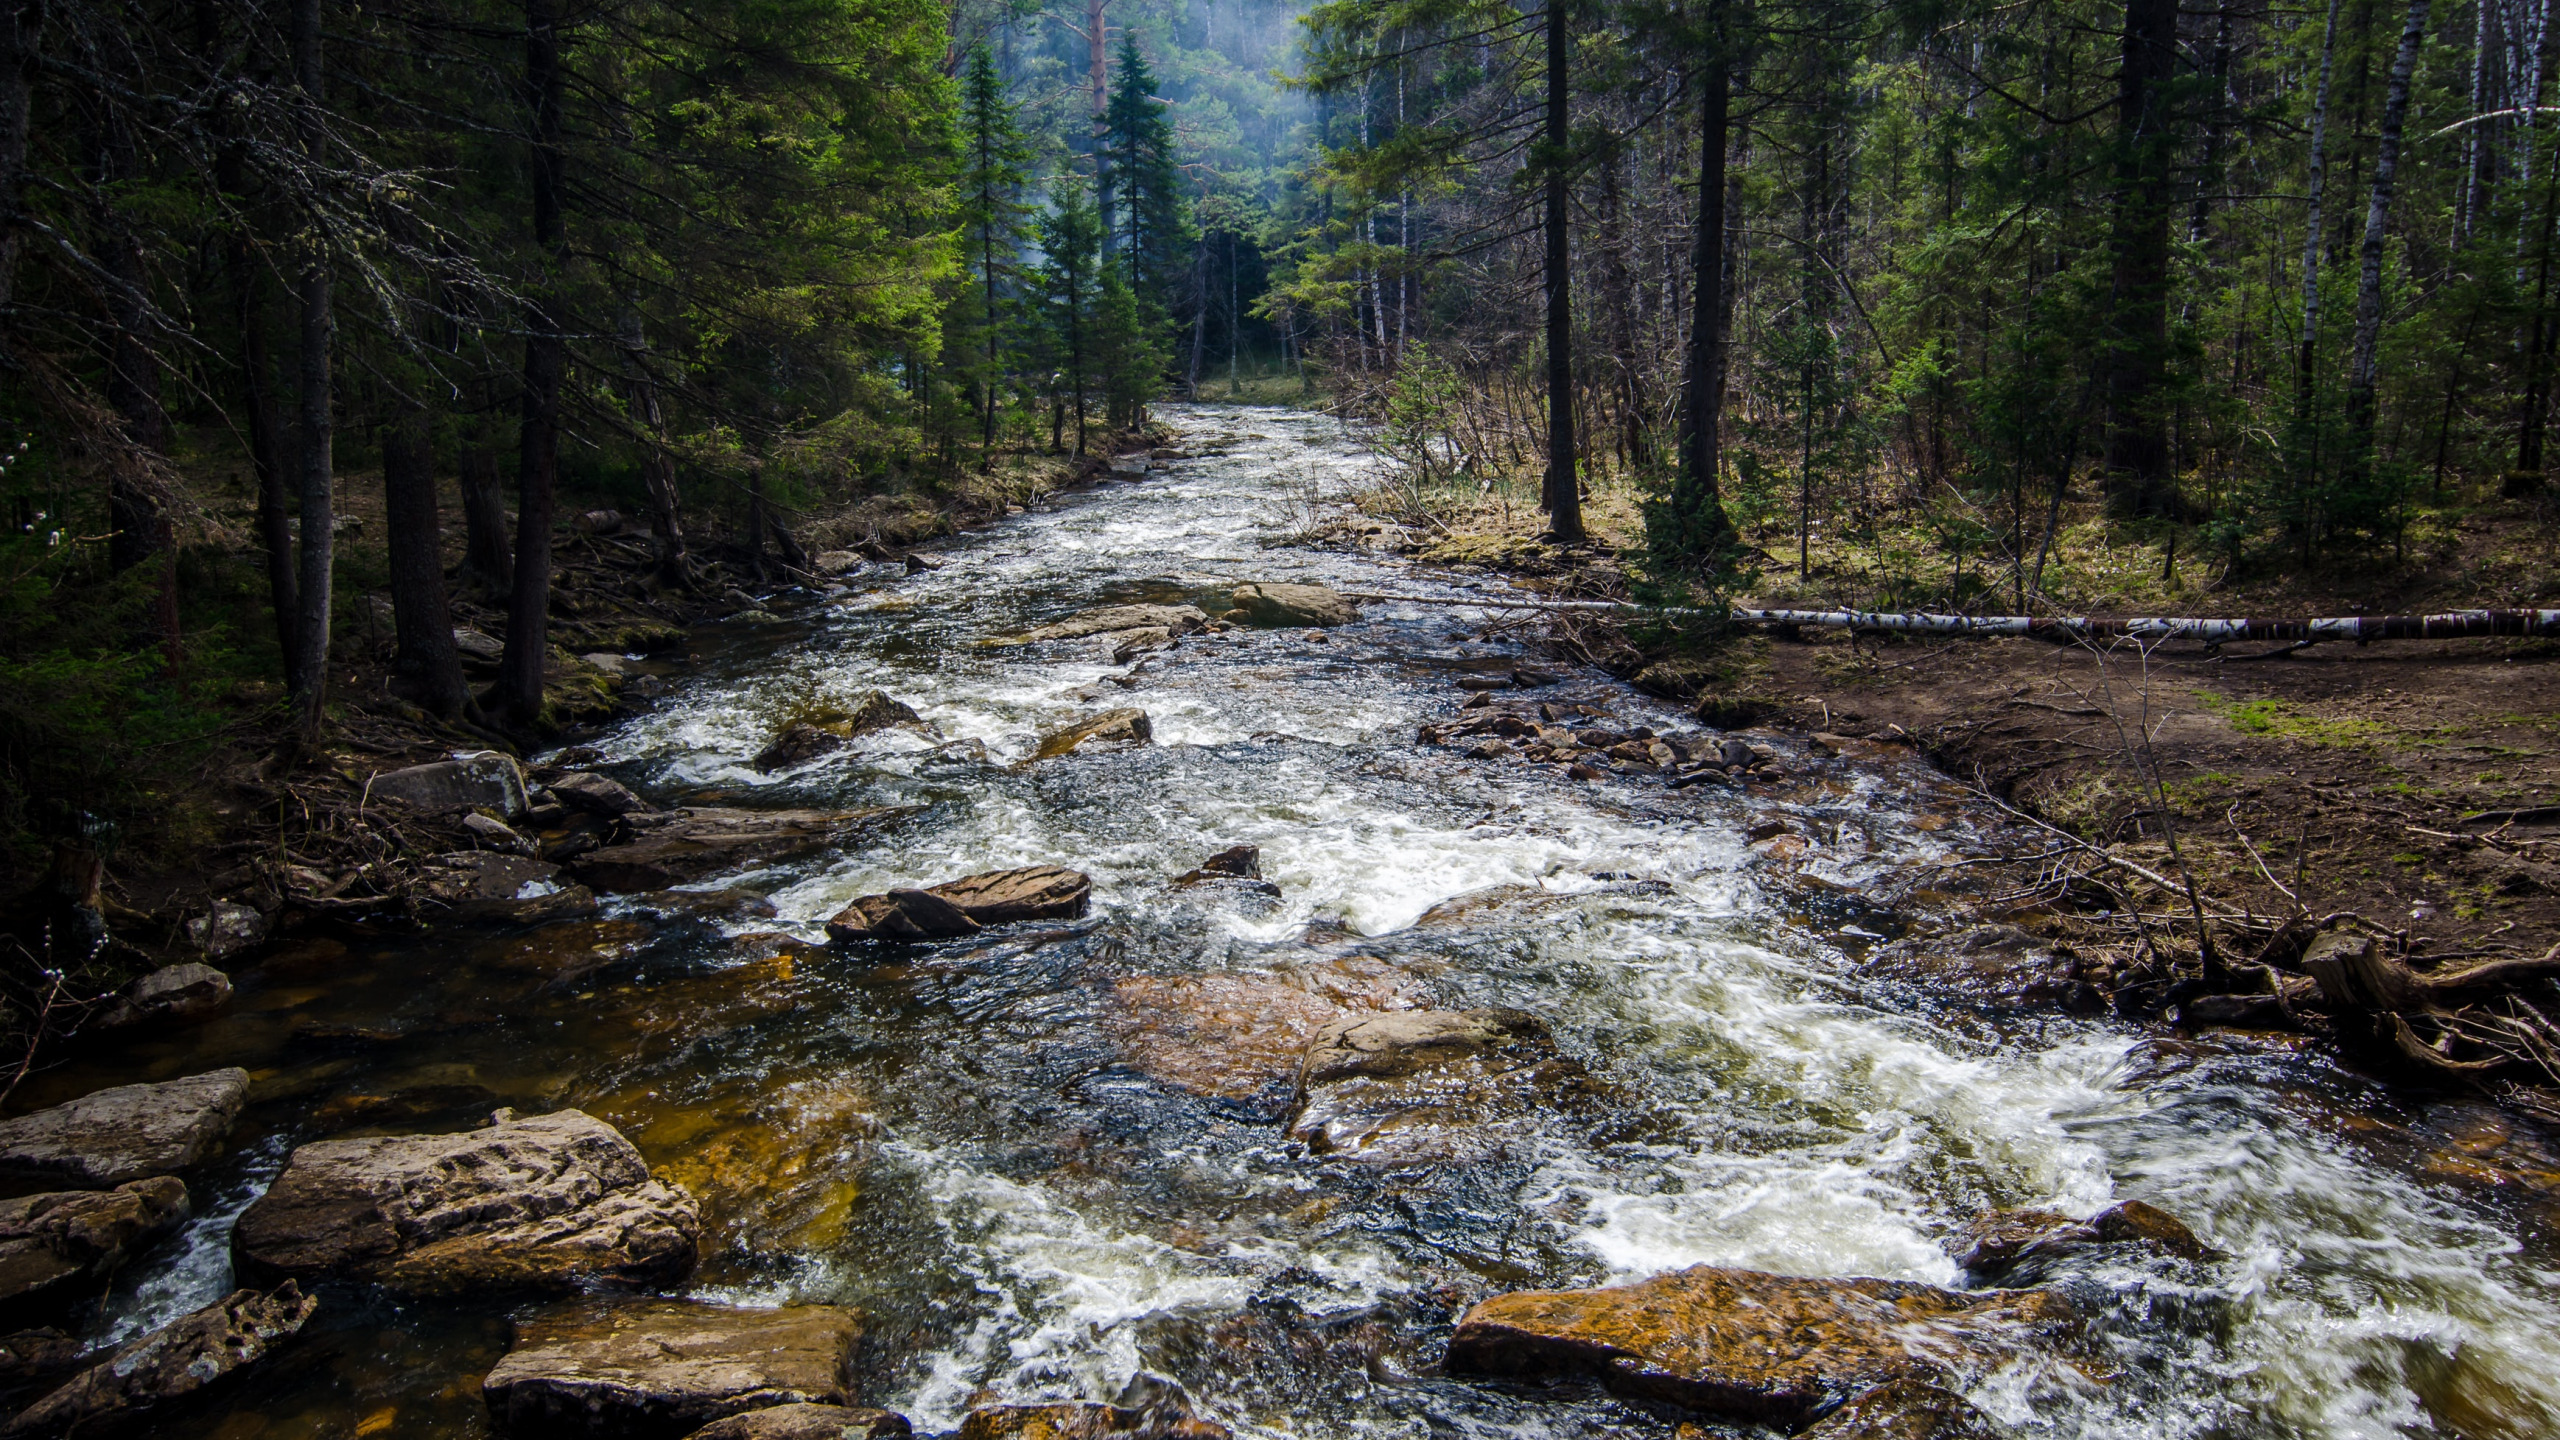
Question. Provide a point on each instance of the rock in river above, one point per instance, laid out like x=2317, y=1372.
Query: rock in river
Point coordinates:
x=1175, y=619
x=122, y=1392
x=675, y=847
x=1110, y=730
x=809, y=1422
x=2016, y=1246
x=963, y=906
x=1086, y=1420
x=1903, y=1410
x=512, y=889
x=1768, y=1349
x=49, y=1241
x=130, y=1132
x=659, y=1369
x=169, y=996
x=1275, y=606
x=557, y=1202
x=1418, y=1085
x=598, y=795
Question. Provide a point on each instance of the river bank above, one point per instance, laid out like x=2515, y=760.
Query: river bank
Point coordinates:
x=1503, y=1028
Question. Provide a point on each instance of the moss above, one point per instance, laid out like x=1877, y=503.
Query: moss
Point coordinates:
x=2279, y=719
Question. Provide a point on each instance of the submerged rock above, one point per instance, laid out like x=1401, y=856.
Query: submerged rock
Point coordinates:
x=1236, y=862
x=799, y=743
x=809, y=1422
x=1240, y=1035
x=2011, y=1245
x=1112, y=729
x=175, y=1363
x=169, y=996
x=1173, y=619
x=674, y=847
x=1418, y=1085
x=466, y=782
x=1085, y=1420
x=49, y=1241
x=646, y=1369
x=965, y=905
x=1903, y=1410
x=227, y=928
x=560, y=1201
x=1769, y=1349
x=129, y=1132
x=1275, y=605
x=1996, y=967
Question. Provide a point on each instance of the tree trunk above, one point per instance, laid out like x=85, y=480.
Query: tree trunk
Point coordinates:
x=2209, y=175
x=317, y=424
x=2386, y=173
x=1561, y=496
x=420, y=617
x=1097, y=19
x=1703, y=532
x=657, y=466
x=1633, y=423
x=2305, y=357
x=485, y=550
x=266, y=456
x=2137, y=448
x=545, y=363
x=21, y=29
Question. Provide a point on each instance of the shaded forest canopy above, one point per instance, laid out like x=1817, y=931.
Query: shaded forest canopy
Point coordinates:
x=2269, y=286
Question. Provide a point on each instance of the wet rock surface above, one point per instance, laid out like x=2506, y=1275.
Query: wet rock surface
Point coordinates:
x=168, y=997
x=1743, y=1345
x=1173, y=619
x=966, y=905
x=137, y=1385
x=659, y=1369
x=1399, y=1087
x=677, y=847
x=1085, y=1420
x=598, y=795
x=1998, y=967
x=559, y=1201
x=809, y=1422
x=2020, y=1246
x=1241, y=1035
x=508, y=889
x=1277, y=605
x=1904, y=1410
x=49, y=1242
x=127, y=1132
x=1119, y=729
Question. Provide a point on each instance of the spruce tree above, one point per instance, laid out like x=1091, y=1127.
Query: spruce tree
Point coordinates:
x=1071, y=236
x=1151, y=212
x=991, y=216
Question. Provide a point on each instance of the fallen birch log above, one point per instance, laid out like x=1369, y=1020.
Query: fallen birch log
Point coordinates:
x=2455, y=624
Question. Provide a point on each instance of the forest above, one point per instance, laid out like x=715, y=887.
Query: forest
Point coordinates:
x=1896, y=287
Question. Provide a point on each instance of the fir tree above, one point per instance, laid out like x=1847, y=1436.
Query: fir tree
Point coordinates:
x=1071, y=235
x=991, y=216
x=1146, y=182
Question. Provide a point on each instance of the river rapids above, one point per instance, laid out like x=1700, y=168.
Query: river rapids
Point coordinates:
x=1028, y=1159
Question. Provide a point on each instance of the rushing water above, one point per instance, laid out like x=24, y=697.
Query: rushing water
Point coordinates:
x=1042, y=1163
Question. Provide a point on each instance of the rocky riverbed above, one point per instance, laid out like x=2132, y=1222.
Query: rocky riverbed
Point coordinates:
x=1102, y=981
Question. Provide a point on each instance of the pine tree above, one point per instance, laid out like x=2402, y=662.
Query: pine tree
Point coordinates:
x=991, y=216
x=1154, y=220
x=1131, y=349
x=1071, y=236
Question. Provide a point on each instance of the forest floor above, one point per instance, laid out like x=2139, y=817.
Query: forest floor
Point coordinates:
x=2413, y=786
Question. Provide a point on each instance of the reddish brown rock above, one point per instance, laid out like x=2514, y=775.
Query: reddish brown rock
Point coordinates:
x=2010, y=1243
x=1237, y=1035
x=677, y=847
x=1120, y=729
x=660, y=1369
x=1085, y=1420
x=557, y=1202
x=1903, y=1410
x=125, y=1391
x=1770, y=1349
x=1432, y=1085
x=962, y=906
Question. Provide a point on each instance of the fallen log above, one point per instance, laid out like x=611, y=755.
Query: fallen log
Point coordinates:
x=2362, y=629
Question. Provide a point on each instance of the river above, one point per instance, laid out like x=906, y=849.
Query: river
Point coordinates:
x=1029, y=1159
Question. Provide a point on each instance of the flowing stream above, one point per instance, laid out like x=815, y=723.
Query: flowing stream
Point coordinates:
x=1045, y=1161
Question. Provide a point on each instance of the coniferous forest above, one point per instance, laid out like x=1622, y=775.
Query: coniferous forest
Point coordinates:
x=1917, y=286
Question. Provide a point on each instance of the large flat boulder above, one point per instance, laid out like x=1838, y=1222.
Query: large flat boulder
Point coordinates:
x=127, y=1390
x=1275, y=605
x=1237, y=1035
x=809, y=1422
x=484, y=885
x=1121, y=729
x=555, y=1202
x=677, y=847
x=965, y=905
x=1407, y=1086
x=129, y=1132
x=599, y=795
x=465, y=782
x=1176, y=619
x=660, y=1369
x=50, y=1242
x=1767, y=1349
